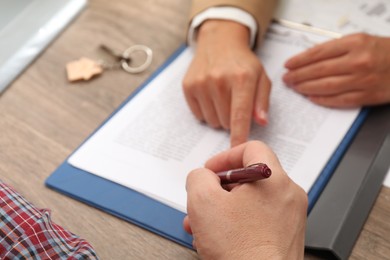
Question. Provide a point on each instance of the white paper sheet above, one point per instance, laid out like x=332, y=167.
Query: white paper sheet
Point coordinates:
x=342, y=16
x=152, y=143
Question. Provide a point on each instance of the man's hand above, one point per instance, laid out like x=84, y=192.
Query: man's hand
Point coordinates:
x=348, y=72
x=260, y=220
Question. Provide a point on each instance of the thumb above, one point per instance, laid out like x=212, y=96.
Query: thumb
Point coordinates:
x=202, y=179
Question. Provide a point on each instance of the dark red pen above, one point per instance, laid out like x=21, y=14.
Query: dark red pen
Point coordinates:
x=251, y=173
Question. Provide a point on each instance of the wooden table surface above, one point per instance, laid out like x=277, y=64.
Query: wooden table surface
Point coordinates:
x=43, y=118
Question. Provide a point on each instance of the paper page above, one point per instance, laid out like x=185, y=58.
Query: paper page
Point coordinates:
x=154, y=141
x=343, y=16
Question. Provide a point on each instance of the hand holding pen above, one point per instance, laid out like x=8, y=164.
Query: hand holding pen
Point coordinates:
x=269, y=215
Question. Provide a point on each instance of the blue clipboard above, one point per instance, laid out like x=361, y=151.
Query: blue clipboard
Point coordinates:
x=147, y=212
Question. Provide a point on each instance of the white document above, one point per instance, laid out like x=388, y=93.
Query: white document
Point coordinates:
x=154, y=141
x=342, y=16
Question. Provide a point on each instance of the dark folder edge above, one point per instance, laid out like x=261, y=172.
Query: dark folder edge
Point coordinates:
x=326, y=174
x=337, y=218
x=145, y=211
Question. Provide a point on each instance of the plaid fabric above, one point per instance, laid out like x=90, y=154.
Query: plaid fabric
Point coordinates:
x=28, y=233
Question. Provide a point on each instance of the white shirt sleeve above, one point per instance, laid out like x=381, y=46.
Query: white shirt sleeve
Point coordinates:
x=223, y=13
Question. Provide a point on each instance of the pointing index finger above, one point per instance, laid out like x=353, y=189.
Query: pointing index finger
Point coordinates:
x=241, y=111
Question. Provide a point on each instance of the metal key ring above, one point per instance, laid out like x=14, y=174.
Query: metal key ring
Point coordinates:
x=127, y=53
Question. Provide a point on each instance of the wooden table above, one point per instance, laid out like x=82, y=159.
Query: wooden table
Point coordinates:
x=43, y=118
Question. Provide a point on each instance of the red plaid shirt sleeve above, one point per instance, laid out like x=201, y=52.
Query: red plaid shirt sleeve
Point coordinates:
x=27, y=232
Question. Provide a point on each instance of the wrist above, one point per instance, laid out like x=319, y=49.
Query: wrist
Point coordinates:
x=223, y=32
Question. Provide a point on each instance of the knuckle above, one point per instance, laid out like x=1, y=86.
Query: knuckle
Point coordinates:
x=358, y=39
x=242, y=75
x=216, y=76
x=190, y=84
x=240, y=115
x=365, y=61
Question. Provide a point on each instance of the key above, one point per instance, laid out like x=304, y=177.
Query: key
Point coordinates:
x=116, y=55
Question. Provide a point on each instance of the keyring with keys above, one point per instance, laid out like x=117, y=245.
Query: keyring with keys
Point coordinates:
x=85, y=68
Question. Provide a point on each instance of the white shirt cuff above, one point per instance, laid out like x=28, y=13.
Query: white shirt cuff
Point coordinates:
x=223, y=13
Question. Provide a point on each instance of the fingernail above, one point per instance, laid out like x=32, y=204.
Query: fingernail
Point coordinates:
x=262, y=117
x=288, y=82
x=285, y=79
